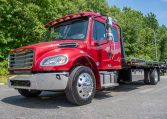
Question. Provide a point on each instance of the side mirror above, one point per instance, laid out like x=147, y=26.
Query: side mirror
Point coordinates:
x=109, y=21
x=109, y=24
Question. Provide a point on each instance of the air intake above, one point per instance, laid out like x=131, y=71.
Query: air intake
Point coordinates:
x=71, y=45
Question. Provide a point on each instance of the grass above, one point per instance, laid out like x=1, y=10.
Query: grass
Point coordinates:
x=4, y=74
x=3, y=79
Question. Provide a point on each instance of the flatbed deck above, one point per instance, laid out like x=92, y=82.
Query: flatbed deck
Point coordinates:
x=142, y=64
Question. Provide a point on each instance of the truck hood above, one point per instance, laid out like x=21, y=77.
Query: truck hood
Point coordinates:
x=44, y=47
x=50, y=45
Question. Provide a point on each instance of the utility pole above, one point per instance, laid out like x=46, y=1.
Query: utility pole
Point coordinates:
x=155, y=43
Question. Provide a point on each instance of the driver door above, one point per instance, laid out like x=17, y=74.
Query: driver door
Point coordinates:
x=100, y=46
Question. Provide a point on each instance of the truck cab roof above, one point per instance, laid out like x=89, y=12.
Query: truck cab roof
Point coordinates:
x=73, y=16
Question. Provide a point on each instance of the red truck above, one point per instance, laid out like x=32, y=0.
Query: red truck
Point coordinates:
x=81, y=53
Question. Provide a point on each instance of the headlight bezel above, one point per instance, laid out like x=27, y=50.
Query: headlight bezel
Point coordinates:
x=55, y=56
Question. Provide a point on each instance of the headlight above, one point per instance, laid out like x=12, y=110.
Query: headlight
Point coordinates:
x=54, y=60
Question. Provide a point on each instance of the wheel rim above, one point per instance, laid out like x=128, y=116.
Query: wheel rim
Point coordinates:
x=156, y=76
x=85, y=85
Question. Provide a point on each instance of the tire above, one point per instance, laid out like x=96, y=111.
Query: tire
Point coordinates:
x=147, y=76
x=154, y=76
x=29, y=93
x=81, y=86
x=146, y=82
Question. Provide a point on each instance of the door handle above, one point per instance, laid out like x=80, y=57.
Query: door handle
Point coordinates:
x=97, y=44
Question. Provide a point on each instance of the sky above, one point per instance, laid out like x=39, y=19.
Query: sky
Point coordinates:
x=158, y=7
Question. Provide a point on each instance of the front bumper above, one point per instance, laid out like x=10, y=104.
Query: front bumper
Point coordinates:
x=40, y=81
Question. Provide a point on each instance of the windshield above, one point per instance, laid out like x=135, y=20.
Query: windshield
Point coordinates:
x=73, y=30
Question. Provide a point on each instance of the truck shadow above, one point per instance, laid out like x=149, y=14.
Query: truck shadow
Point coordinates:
x=123, y=87
x=53, y=100
x=47, y=100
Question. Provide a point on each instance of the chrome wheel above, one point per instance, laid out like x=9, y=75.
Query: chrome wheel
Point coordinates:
x=154, y=76
x=81, y=86
x=85, y=85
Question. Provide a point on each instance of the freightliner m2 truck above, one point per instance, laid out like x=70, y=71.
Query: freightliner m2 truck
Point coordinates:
x=81, y=53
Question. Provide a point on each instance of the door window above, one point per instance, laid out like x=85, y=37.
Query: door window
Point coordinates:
x=99, y=31
x=115, y=34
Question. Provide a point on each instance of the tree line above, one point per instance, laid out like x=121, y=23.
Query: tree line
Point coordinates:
x=22, y=23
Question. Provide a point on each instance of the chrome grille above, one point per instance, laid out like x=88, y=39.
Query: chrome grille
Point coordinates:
x=21, y=60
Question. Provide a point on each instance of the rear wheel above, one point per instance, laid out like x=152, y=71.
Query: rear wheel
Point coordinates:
x=146, y=76
x=81, y=86
x=29, y=93
x=154, y=76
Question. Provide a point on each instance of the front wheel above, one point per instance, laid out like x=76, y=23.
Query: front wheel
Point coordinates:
x=29, y=93
x=81, y=86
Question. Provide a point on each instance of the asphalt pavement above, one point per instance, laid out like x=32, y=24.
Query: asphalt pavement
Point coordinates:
x=128, y=101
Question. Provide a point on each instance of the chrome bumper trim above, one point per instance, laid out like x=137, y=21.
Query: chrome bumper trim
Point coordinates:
x=41, y=81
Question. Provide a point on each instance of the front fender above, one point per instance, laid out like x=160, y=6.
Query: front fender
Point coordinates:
x=72, y=53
